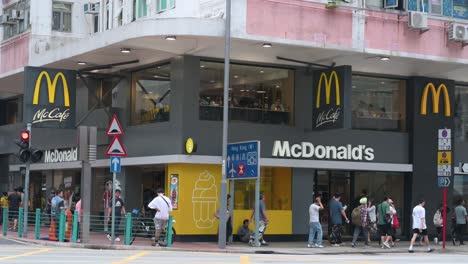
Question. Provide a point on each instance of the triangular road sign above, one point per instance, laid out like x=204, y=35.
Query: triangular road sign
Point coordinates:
x=114, y=129
x=116, y=148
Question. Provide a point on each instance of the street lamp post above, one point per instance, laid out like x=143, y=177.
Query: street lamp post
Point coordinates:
x=223, y=200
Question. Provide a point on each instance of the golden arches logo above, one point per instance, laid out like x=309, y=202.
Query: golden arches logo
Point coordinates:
x=51, y=88
x=435, y=99
x=328, y=83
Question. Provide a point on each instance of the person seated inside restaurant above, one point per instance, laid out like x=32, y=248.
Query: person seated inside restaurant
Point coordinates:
x=277, y=106
x=244, y=232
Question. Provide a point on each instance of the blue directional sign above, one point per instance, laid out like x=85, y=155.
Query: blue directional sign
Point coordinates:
x=115, y=164
x=443, y=181
x=243, y=160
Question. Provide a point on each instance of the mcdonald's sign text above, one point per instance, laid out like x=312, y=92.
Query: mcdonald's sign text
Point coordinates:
x=49, y=97
x=441, y=89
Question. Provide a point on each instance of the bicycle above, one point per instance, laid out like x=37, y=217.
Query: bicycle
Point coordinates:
x=144, y=227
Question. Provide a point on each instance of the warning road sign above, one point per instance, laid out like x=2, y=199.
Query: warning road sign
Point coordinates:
x=116, y=148
x=444, y=158
x=114, y=129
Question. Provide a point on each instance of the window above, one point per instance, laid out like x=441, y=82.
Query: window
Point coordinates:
x=275, y=184
x=151, y=90
x=102, y=92
x=142, y=8
x=164, y=5
x=461, y=113
x=460, y=9
x=378, y=103
x=436, y=7
x=9, y=111
x=258, y=94
x=61, y=17
x=20, y=23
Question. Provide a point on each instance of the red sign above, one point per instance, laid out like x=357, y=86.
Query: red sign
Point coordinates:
x=114, y=129
x=116, y=148
x=241, y=169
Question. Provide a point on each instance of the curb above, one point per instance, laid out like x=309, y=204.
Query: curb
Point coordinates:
x=291, y=251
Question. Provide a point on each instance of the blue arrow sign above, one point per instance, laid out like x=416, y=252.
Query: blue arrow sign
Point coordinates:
x=243, y=160
x=115, y=164
x=443, y=181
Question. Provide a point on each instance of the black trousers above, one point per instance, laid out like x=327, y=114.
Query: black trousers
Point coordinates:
x=460, y=230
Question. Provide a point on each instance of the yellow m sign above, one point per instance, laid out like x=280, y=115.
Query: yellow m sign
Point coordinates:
x=435, y=99
x=328, y=83
x=51, y=88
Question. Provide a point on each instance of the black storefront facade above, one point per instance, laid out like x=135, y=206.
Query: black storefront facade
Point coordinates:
x=359, y=141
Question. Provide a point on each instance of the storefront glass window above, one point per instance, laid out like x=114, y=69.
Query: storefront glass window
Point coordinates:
x=151, y=89
x=9, y=111
x=378, y=103
x=275, y=184
x=257, y=94
x=461, y=113
x=378, y=185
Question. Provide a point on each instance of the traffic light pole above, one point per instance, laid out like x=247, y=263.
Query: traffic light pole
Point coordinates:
x=26, y=189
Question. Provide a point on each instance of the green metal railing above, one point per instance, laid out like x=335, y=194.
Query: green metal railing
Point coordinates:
x=5, y=221
x=20, y=222
x=37, y=226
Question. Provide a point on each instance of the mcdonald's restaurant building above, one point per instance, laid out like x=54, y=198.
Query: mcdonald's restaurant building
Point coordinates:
x=323, y=131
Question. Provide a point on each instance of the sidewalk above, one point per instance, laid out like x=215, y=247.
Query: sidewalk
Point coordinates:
x=100, y=241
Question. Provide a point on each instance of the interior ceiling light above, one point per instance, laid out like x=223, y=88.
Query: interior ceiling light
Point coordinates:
x=81, y=63
x=125, y=50
x=262, y=72
x=171, y=38
x=267, y=45
x=202, y=66
x=235, y=76
x=384, y=58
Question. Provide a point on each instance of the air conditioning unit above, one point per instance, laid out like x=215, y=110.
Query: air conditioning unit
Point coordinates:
x=5, y=20
x=458, y=32
x=417, y=20
x=17, y=15
x=91, y=8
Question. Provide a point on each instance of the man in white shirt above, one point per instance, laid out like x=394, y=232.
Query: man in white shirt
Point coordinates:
x=314, y=222
x=162, y=205
x=419, y=225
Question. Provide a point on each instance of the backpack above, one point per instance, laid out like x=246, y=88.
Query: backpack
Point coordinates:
x=437, y=219
x=356, y=216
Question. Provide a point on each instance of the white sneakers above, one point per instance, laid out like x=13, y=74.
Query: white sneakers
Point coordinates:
x=110, y=238
x=314, y=246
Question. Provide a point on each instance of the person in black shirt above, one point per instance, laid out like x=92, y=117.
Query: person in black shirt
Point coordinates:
x=119, y=213
x=14, y=201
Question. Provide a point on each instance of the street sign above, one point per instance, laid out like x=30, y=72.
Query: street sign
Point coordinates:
x=115, y=164
x=445, y=142
x=114, y=129
x=243, y=160
x=444, y=158
x=464, y=167
x=443, y=181
x=116, y=148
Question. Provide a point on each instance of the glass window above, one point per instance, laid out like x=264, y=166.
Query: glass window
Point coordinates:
x=18, y=21
x=9, y=111
x=61, y=17
x=378, y=103
x=461, y=113
x=275, y=184
x=460, y=9
x=258, y=94
x=151, y=89
x=142, y=8
x=164, y=5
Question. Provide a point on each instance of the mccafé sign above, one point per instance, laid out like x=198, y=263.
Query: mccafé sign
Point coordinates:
x=308, y=150
x=50, y=97
x=330, y=88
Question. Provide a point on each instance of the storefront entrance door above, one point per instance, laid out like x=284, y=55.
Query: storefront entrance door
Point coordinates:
x=327, y=183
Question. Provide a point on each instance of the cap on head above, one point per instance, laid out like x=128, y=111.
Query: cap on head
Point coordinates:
x=160, y=190
x=363, y=200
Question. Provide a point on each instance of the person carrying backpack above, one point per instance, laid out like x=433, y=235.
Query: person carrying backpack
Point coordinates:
x=360, y=221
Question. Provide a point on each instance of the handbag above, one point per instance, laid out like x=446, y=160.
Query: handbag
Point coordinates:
x=388, y=219
x=396, y=223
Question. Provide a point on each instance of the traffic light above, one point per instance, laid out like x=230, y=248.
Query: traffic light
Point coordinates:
x=24, y=153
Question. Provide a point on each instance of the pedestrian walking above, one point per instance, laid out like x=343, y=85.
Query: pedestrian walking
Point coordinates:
x=314, y=223
x=262, y=226
x=162, y=205
x=79, y=209
x=228, y=219
x=395, y=223
x=419, y=225
x=14, y=202
x=438, y=223
x=3, y=205
x=371, y=210
x=461, y=218
x=384, y=222
x=57, y=205
x=337, y=213
x=360, y=221
x=119, y=213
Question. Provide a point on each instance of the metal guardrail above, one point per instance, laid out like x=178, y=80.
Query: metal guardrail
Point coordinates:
x=66, y=226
